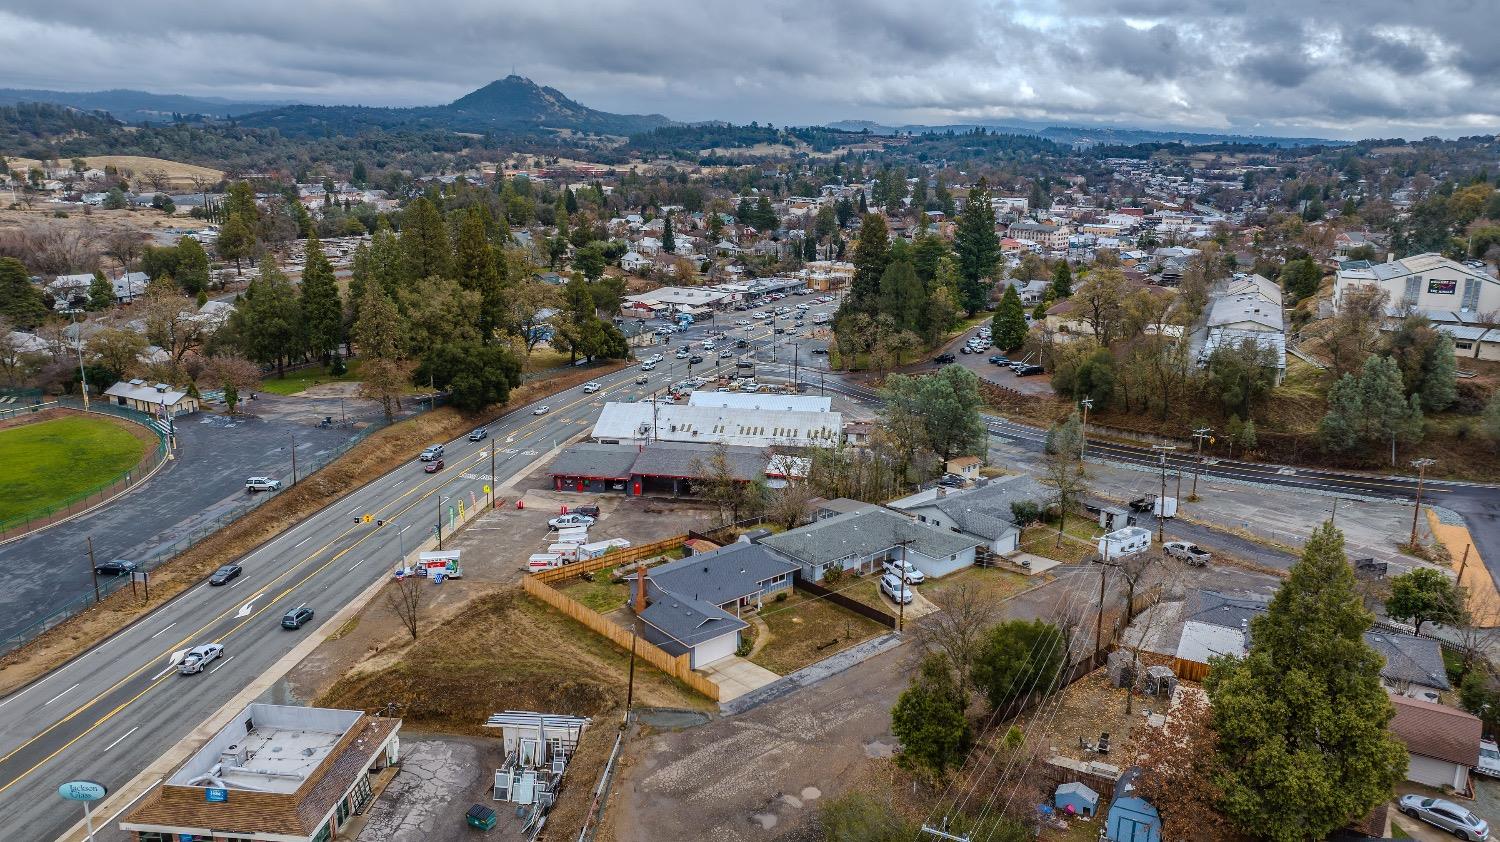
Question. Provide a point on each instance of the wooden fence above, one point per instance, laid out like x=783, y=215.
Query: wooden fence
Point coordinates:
x=609, y=559
x=679, y=666
x=850, y=603
x=1189, y=670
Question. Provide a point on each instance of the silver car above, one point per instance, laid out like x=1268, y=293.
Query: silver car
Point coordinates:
x=1451, y=817
x=199, y=657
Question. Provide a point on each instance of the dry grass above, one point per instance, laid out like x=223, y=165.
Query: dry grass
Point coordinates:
x=380, y=453
x=179, y=174
x=992, y=583
x=805, y=630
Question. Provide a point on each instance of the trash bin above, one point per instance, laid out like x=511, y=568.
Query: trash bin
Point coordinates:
x=480, y=817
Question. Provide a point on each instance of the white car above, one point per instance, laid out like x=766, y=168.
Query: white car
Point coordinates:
x=541, y=410
x=708, y=345
x=570, y=521
x=912, y=574
x=804, y=307
x=199, y=657
x=741, y=322
x=254, y=484
x=591, y=387
x=1489, y=759
x=894, y=588
x=681, y=354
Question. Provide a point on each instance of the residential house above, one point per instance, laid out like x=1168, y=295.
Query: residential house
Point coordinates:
x=1032, y=293
x=983, y=513
x=634, y=261
x=1247, y=309
x=1442, y=743
x=736, y=578
x=862, y=539
x=964, y=467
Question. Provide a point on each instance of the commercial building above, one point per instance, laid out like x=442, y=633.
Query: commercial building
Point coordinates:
x=155, y=399
x=1429, y=283
x=663, y=468
x=647, y=421
x=275, y=773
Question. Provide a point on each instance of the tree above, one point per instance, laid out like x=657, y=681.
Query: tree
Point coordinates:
x=787, y=505
x=1490, y=421
x=1062, y=280
x=947, y=406
x=322, y=309
x=870, y=258
x=1300, y=278
x=116, y=350
x=114, y=199
x=424, y=241
x=479, y=269
x=101, y=292
x=977, y=247
x=856, y=817
x=1017, y=659
x=192, y=266
x=1370, y=409
x=1303, y=745
x=956, y=632
x=20, y=300
x=1009, y=324
x=1423, y=595
x=902, y=296
x=268, y=320
x=172, y=324
x=234, y=374
x=236, y=240
x=407, y=599
x=239, y=200
x=720, y=484
x=1243, y=375
x=1427, y=362
x=668, y=242
x=590, y=260
x=929, y=720
x=474, y=375
x=1063, y=470
x=1356, y=328
x=1100, y=300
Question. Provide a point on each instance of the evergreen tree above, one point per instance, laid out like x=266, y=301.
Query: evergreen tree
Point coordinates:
x=870, y=259
x=1300, y=278
x=192, y=266
x=902, y=296
x=1424, y=595
x=765, y=215
x=744, y=212
x=379, y=333
x=927, y=251
x=1009, y=324
x=236, y=240
x=268, y=320
x=424, y=241
x=101, y=292
x=1018, y=658
x=668, y=242
x=322, y=310
x=809, y=248
x=929, y=720
x=570, y=200
x=1062, y=281
x=360, y=176
x=1439, y=387
x=977, y=247
x=239, y=200
x=478, y=268
x=1302, y=719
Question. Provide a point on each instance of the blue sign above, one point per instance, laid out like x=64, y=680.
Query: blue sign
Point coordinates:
x=216, y=795
x=83, y=790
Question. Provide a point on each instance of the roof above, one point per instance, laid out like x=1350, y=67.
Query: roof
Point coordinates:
x=695, y=461
x=140, y=391
x=1410, y=659
x=602, y=461
x=985, y=511
x=1201, y=641
x=688, y=622
x=865, y=531
x=634, y=421
x=1080, y=790
x=1359, y=270
x=761, y=401
x=1437, y=731
x=723, y=575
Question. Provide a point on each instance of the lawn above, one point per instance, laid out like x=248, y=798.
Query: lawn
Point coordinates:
x=993, y=584
x=602, y=595
x=1078, y=543
x=45, y=464
x=297, y=381
x=805, y=630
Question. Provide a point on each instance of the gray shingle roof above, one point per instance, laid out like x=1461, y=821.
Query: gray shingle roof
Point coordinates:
x=684, y=459
x=863, y=532
x=722, y=575
x=687, y=622
x=604, y=461
x=985, y=511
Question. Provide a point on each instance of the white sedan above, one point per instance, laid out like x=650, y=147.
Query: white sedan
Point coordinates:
x=541, y=410
x=591, y=387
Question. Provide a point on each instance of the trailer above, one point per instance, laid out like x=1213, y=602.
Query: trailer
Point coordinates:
x=544, y=561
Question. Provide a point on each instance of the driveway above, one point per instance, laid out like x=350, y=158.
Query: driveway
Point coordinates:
x=737, y=676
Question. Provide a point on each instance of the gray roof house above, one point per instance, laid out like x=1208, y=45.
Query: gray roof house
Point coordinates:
x=982, y=513
x=862, y=539
x=680, y=625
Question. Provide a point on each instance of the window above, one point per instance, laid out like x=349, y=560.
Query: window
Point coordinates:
x=324, y=833
x=1413, y=287
x=1471, y=294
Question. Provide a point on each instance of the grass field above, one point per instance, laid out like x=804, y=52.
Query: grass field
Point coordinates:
x=805, y=630
x=47, y=463
x=178, y=174
x=297, y=381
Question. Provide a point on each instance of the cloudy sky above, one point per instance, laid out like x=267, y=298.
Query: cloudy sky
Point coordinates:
x=1332, y=68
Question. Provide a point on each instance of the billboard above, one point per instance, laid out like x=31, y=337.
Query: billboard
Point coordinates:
x=1442, y=287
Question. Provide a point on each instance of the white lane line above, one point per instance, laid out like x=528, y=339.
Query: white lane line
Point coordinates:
x=121, y=739
x=358, y=563
x=303, y=541
x=59, y=695
x=17, y=696
x=221, y=663
x=154, y=636
x=398, y=483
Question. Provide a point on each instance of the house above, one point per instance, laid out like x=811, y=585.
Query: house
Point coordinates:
x=983, y=513
x=862, y=539
x=1131, y=818
x=1247, y=309
x=734, y=578
x=292, y=774
x=634, y=261
x=1032, y=292
x=964, y=467
x=1442, y=743
x=155, y=400
x=1427, y=282
x=684, y=625
x=538, y=747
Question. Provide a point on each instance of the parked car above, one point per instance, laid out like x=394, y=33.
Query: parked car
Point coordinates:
x=199, y=657
x=681, y=355
x=951, y=481
x=479, y=434
x=295, y=618
x=255, y=484
x=1193, y=554
x=541, y=410
x=569, y=521
x=1000, y=359
x=433, y=467
x=1489, y=759
x=965, y=350
x=591, y=387
x=905, y=570
x=1028, y=370
x=432, y=453
x=892, y=586
x=224, y=574
x=116, y=567
x=1143, y=504
x=1447, y=815
x=587, y=511
x=943, y=359
x=820, y=351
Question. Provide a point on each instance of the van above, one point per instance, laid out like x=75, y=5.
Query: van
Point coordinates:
x=744, y=364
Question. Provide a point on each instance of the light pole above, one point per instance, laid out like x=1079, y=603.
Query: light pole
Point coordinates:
x=1161, y=500
x=1083, y=431
x=1421, y=465
x=401, y=542
x=83, y=380
x=293, y=440
x=440, y=500
x=1200, y=434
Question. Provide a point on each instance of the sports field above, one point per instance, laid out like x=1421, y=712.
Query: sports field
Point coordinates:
x=50, y=462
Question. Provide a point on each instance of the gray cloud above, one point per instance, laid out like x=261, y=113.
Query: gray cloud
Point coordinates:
x=1340, y=68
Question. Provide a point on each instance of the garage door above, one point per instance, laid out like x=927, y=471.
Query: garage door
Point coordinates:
x=712, y=650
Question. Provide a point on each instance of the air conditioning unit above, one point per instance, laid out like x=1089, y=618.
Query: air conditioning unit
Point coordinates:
x=233, y=756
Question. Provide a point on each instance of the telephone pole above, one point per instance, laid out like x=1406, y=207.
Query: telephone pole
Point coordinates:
x=293, y=440
x=94, y=570
x=1083, y=431
x=1200, y=434
x=1161, y=500
x=1421, y=465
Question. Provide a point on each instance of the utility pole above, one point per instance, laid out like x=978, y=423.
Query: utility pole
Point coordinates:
x=493, y=480
x=293, y=440
x=1161, y=500
x=83, y=380
x=1083, y=431
x=905, y=588
x=440, y=500
x=1421, y=465
x=1104, y=566
x=93, y=570
x=1200, y=434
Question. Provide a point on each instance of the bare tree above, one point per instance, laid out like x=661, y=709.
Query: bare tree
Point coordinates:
x=788, y=505
x=405, y=597
x=172, y=324
x=957, y=631
x=234, y=374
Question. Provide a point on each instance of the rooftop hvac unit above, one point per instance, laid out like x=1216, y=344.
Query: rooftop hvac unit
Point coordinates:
x=233, y=756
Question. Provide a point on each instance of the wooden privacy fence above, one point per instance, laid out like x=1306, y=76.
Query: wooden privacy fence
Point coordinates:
x=614, y=558
x=678, y=666
x=850, y=603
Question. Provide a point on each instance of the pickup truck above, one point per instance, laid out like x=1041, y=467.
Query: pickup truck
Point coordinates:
x=1193, y=554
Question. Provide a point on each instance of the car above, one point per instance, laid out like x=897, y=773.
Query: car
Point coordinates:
x=655, y=358
x=780, y=330
x=479, y=435
x=803, y=307
x=586, y=510
x=1489, y=759
x=944, y=358
x=742, y=322
x=694, y=359
x=1143, y=504
x=432, y=452
x=1000, y=359
x=1028, y=370
x=433, y=467
x=681, y=355
x=199, y=657
x=951, y=481
x=295, y=618
x=255, y=484
x=570, y=521
x=541, y=410
x=1447, y=815
x=820, y=351
x=892, y=586
x=1193, y=554
x=707, y=345
x=911, y=574
x=744, y=364
x=116, y=567
x=966, y=350
x=591, y=387
x=725, y=354
x=224, y=574
x=642, y=380
x=663, y=331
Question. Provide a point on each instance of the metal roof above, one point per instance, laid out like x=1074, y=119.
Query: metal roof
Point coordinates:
x=602, y=461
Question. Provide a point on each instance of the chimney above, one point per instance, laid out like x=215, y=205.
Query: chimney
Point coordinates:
x=1390, y=257
x=640, y=587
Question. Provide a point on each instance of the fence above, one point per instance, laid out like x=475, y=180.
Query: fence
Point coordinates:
x=610, y=559
x=846, y=602
x=601, y=795
x=678, y=666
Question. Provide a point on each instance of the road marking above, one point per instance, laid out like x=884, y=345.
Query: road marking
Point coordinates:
x=168, y=626
x=221, y=663
x=121, y=739
x=59, y=695
x=246, y=608
x=357, y=563
x=17, y=696
x=303, y=541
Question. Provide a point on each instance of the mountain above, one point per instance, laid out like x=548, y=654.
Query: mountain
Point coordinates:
x=1107, y=135
x=513, y=104
x=136, y=106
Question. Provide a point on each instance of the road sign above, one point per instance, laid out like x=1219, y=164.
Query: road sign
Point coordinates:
x=486, y=488
x=369, y=518
x=83, y=790
x=216, y=795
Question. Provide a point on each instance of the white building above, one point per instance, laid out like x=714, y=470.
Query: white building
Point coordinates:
x=1428, y=282
x=641, y=422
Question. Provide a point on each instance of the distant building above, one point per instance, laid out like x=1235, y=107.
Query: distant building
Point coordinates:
x=153, y=399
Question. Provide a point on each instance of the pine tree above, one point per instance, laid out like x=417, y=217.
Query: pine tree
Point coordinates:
x=1302, y=719
x=570, y=200
x=268, y=320
x=192, y=266
x=1439, y=387
x=322, y=310
x=902, y=296
x=1009, y=324
x=1386, y=412
x=101, y=292
x=478, y=269
x=765, y=216
x=239, y=201
x=1062, y=281
x=929, y=720
x=236, y=240
x=424, y=241
x=668, y=242
x=977, y=247
x=870, y=259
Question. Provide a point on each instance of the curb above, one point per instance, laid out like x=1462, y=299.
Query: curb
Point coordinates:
x=812, y=674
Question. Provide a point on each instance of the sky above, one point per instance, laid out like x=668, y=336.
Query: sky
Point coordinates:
x=1326, y=68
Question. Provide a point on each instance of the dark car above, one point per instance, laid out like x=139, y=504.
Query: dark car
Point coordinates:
x=1000, y=359
x=944, y=358
x=294, y=618
x=780, y=330
x=586, y=511
x=740, y=343
x=479, y=434
x=225, y=573
x=117, y=567
x=433, y=467
x=694, y=359
x=820, y=351
x=1028, y=370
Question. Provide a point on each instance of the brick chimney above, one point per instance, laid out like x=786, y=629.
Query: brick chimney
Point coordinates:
x=640, y=587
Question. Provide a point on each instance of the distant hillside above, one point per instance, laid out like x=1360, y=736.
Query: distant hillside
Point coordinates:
x=136, y=106
x=512, y=104
x=1103, y=135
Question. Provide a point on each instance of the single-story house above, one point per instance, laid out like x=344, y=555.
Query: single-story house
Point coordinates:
x=983, y=513
x=863, y=539
x=1131, y=818
x=736, y=577
x=682, y=625
x=151, y=399
x=634, y=261
x=1442, y=742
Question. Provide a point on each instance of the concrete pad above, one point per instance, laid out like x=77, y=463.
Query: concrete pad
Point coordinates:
x=1034, y=563
x=737, y=676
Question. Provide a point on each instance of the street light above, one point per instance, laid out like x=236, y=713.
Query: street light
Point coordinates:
x=1083, y=431
x=401, y=542
x=1421, y=465
x=1200, y=434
